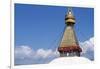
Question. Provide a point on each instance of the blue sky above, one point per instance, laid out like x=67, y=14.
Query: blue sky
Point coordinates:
x=40, y=26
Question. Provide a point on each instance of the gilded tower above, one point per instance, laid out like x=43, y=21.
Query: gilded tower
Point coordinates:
x=69, y=44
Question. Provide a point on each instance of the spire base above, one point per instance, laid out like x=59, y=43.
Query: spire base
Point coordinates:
x=69, y=51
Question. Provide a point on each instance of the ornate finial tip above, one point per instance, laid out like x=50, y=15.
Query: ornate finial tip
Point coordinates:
x=70, y=10
x=69, y=17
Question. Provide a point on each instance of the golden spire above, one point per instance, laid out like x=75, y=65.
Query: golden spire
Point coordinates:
x=69, y=44
x=69, y=19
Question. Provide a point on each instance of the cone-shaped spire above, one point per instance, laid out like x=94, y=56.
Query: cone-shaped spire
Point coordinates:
x=69, y=44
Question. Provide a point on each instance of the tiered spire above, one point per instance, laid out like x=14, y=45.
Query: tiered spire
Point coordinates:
x=69, y=45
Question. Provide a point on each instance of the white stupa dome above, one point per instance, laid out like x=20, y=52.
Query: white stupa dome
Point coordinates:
x=70, y=60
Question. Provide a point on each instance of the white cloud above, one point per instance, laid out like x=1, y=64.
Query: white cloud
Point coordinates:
x=46, y=53
x=25, y=54
x=88, y=48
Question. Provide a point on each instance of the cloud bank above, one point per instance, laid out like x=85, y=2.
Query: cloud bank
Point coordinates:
x=88, y=48
x=27, y=55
